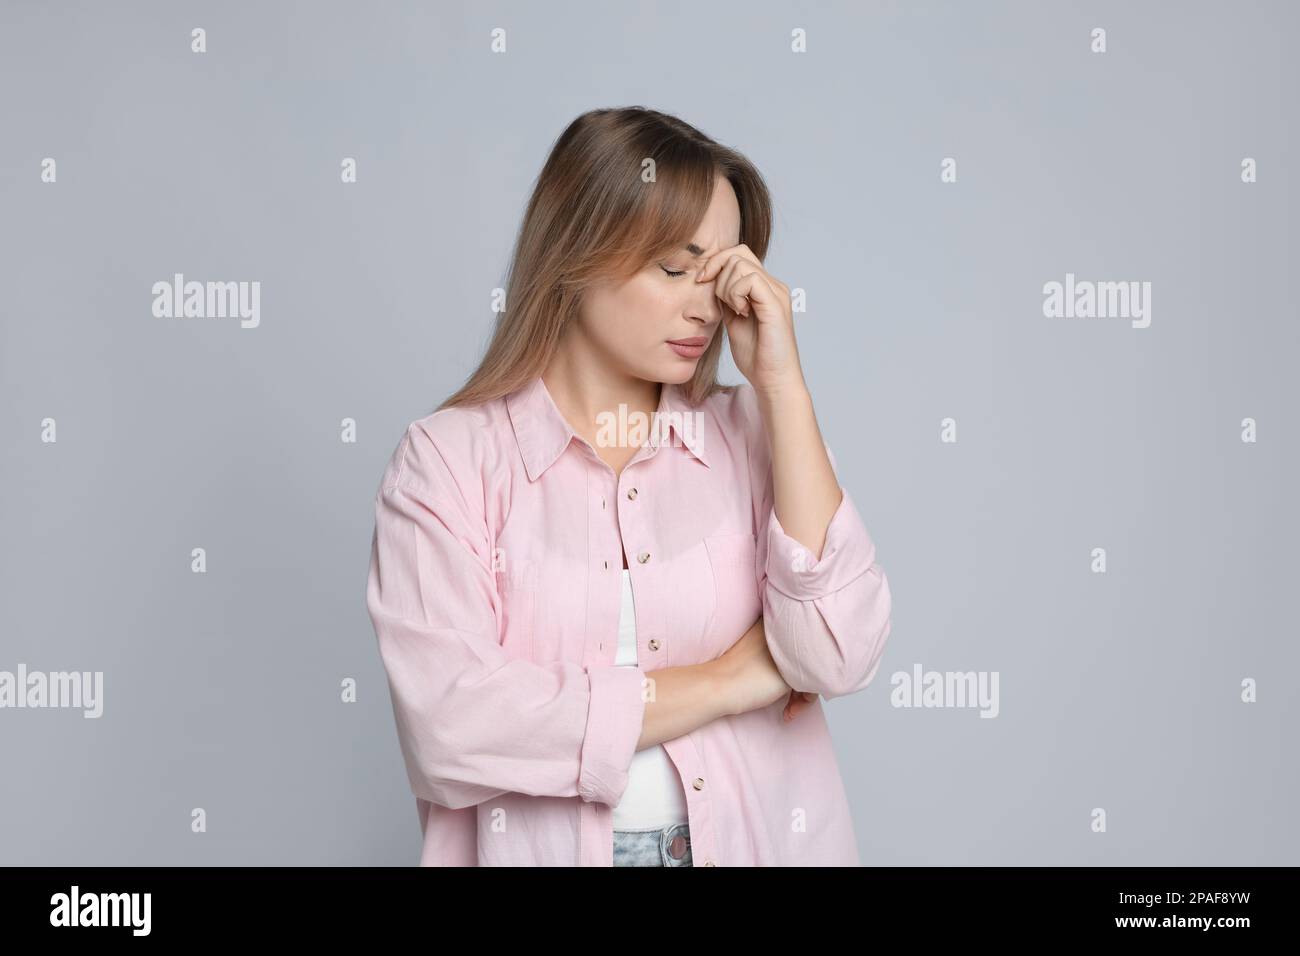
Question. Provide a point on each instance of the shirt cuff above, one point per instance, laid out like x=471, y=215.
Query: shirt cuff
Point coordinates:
x=614, y=719
x=847, y=554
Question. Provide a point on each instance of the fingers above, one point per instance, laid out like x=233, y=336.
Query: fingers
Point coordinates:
x=788, y=710
x=743, y=282
x=798, y=702
x=722, y=257
x=741, y=285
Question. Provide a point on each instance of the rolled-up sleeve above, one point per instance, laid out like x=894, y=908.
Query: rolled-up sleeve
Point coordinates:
x=472, y=721
x=826, y=618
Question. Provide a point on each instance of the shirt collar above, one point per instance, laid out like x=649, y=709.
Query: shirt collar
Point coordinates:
x=543, y=433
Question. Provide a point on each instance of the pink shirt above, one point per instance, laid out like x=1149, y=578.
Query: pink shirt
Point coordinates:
x=494, y=588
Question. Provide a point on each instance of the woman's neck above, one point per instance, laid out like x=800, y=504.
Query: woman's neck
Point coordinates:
x=584, y=391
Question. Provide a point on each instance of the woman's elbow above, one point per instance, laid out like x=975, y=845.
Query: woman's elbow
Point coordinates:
x=862, y=620
x=439, y=774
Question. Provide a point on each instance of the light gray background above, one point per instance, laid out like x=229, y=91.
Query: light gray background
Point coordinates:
x=1119, y=691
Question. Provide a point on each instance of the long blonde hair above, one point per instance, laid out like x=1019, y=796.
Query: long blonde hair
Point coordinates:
x=592, y=216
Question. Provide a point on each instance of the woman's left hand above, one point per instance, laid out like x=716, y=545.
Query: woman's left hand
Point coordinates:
x=759, y=319
x=797, y=701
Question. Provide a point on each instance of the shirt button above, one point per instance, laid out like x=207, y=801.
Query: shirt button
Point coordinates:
x=654, y=643
x=710, y=863
x=699, y=783
x=631, y=494
x=643, y=557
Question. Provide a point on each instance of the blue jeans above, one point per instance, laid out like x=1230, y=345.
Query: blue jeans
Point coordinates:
x=667, y=846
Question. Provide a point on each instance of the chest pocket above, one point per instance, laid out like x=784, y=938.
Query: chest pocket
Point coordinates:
x=736, y=603
x=516, y=580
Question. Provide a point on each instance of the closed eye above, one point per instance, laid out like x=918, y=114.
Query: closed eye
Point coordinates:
x=671, y=272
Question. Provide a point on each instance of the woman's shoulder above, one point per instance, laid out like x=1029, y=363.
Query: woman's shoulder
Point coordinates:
x=447, y=448
x=733, y=400
x=730, y=425
x=734, y=409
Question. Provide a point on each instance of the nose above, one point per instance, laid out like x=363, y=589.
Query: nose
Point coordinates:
x=704, y=307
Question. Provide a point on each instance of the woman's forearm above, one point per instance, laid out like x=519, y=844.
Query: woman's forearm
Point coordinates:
x=805, y=490
x=680, y=699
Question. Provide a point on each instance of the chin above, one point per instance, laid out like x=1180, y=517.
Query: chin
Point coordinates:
x=678, y=373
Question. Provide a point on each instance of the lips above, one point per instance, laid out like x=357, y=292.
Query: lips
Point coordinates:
x=689, y=348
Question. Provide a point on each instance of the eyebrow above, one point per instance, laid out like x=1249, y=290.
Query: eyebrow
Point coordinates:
x=696, y=251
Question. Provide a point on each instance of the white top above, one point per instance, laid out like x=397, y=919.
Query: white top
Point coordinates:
x=654, y=796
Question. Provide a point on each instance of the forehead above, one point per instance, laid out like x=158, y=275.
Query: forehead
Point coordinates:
x=720, y=226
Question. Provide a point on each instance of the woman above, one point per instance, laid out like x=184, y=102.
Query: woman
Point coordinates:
x=604, y=586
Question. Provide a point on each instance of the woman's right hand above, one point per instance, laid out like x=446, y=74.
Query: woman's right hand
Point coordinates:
x=749, y=676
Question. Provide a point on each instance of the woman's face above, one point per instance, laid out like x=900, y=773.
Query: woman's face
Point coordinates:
x=631, y=326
